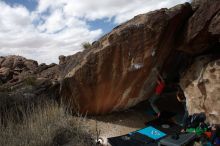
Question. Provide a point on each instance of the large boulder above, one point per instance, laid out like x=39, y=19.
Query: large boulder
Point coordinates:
x=201, y=85
x=62, y=59
x=31, y=64
x=214, y=27
x=8, y=62
x=14, y=61
x=50, y=72
x=116, y=72
x=1, y=60
x=202, y=31
x=5, y=74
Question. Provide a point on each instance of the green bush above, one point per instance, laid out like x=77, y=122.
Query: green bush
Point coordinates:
x=86, y=45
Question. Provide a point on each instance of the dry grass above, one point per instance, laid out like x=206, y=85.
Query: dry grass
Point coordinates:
x=47, y=124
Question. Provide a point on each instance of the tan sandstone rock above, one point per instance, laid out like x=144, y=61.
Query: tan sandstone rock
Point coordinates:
x=201, y=85
x=116, y=72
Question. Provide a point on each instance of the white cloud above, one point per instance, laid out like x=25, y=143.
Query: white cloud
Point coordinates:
x=42, y=42
x=95, y=9
x=59, y=27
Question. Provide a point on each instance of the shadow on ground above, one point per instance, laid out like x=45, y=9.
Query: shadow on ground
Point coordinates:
x=120, y=123
x=136, y=116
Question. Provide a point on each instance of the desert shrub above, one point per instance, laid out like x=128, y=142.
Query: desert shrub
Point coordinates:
x=47, y=124
x=5, y=89
x=86, y=45
x=31, y=80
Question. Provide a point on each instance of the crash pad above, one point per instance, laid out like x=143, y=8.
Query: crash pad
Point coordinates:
x=182, y=140
x=142, y=137
x=152, y=132
x=146, y=135
x=165, y=126
x=127, y=140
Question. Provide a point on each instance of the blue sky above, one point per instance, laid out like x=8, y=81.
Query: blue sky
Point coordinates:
x=44, y=29
x=105, y=24
x=31, y=5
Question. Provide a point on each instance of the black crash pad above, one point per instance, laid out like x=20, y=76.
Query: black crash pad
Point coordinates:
x=134, y=139
x=165, y=126
x=126, y=140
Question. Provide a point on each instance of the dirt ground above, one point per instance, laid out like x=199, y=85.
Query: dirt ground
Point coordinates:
x=124, y=122
x=119, y=123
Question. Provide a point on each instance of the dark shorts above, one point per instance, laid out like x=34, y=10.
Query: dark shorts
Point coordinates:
x=153, y=99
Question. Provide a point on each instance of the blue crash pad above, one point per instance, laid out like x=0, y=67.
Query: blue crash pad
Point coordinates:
x=147, y=136
x=152, y=132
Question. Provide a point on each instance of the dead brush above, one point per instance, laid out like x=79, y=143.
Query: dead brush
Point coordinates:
x=45, y=124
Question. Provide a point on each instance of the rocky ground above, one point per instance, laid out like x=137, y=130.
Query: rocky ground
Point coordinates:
x=124, y=122
x=117, y=124
x=117, y=71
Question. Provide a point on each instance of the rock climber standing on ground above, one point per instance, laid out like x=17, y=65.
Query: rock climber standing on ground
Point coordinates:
x=158, y=91
x=182, y=99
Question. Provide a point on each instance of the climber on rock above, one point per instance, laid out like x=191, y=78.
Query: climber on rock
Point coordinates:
x=158, y=91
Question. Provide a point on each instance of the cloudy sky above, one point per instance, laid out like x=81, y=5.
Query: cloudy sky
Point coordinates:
x=44, y=29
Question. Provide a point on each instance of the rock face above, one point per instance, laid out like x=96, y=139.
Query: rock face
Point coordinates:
x=19, y=75
x=5, y=74
x=201, y=85
x=116, y=73
x=24, y=83
x=202, y=30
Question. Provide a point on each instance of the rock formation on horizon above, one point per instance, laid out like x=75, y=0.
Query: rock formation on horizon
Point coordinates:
x=21, y=76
